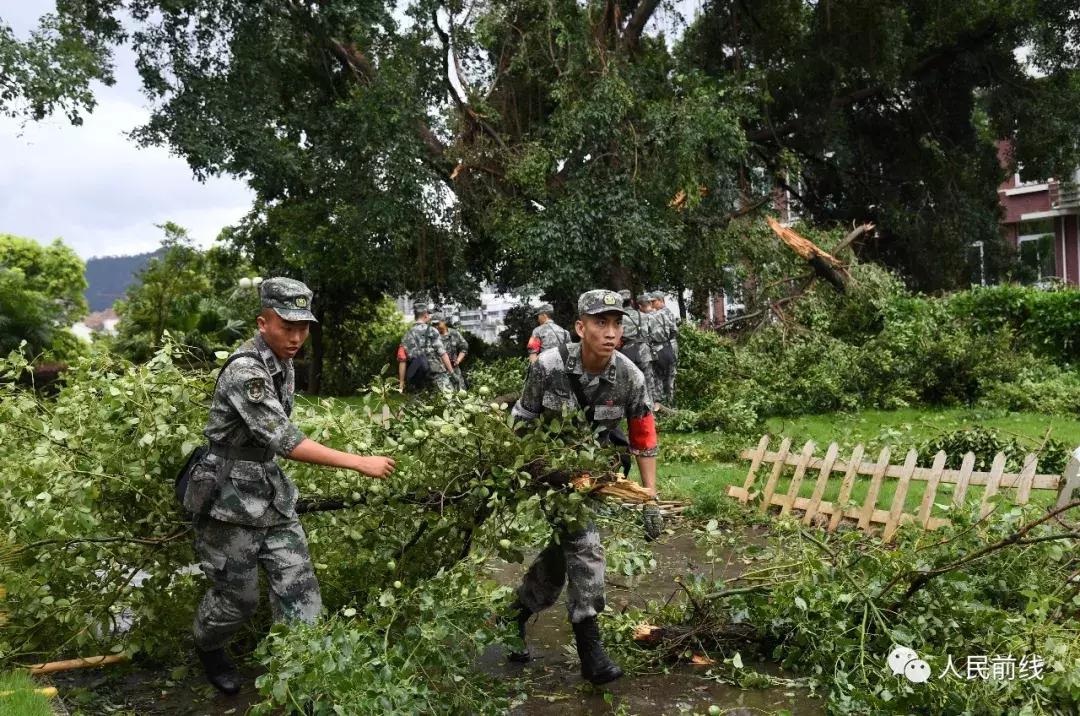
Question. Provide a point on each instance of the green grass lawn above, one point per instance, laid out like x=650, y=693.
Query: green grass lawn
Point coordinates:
x=706, y=482
x=22, y=701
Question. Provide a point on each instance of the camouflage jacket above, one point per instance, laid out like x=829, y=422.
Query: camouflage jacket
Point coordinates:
x=674, y=326
x=548, y=335
x=251, y=408
x=639, y=327
x=423, y=339
x=455, y=343
x=664, y=328
x=618, y=393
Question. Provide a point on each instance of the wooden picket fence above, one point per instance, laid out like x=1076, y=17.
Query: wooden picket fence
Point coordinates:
x=867, y=515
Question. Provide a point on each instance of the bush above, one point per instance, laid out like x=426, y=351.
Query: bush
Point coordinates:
x=986, y=443
x=364, y=347
x=1042, y=322
x=503, y=376
x=877, y=346
x=1037, y=387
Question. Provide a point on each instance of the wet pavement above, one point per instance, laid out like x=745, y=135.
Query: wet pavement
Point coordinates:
x=555, y=686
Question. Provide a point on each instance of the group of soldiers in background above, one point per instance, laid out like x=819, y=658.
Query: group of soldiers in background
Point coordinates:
x=651, y=342
x=433, y=349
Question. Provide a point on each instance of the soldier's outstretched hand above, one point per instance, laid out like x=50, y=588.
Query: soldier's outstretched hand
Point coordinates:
x=376, y=466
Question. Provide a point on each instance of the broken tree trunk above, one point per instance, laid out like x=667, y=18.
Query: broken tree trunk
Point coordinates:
x=824, y=264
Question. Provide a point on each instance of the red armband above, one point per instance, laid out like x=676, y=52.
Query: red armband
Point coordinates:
x=534, y=345
x=401, y=354
x=642, y=432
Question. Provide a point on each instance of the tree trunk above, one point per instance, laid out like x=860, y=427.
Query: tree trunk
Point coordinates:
x=679, y=291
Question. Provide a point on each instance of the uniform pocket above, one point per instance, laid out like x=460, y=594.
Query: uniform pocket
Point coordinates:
x=608, y=412
x=245, y=471
x=212, y=562
x=201, y=489
x=250, y=480
x=555, y=401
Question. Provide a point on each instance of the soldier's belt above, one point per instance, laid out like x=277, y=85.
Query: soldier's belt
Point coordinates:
x=250, y=454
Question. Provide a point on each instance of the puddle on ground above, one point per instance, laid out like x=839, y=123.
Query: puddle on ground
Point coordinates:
x=556, y=687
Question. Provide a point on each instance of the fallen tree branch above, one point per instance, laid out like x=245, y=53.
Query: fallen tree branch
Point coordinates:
x=155, y=541
x=921, y=579
x=855, y=233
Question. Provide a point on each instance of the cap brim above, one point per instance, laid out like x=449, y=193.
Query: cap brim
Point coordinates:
x=607, y=309
x=296, y=314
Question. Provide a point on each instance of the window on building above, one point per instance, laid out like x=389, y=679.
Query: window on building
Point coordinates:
x=1036, y=257
x=734, y=293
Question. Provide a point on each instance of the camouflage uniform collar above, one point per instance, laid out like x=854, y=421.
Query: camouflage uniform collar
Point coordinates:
x=268, y=358
x=573, y=364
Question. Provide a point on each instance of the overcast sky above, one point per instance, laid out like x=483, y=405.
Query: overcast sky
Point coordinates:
x=93, y=187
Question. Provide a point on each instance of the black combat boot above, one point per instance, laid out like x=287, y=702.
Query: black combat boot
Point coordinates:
x=220, y=670
x=596, y=666
x=521, y=615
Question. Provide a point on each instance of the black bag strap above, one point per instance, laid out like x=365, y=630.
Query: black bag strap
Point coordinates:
x=233, y=357
x=575, y=382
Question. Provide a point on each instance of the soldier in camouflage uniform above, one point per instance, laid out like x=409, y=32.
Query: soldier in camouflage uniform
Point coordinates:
x=637, y=344
x=547, y=334
x=666, y=378
x=616, y=390
x=456, y=347
x=460, y=350
x=663, y=329
x=423, y=340
x=244, y=506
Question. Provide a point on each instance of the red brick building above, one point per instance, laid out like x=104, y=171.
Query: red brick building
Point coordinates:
x=1042, y=222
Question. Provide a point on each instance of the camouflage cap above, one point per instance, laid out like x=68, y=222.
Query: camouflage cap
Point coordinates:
x=289, y=298
x=544, y=308
x=599, y=300
x=657, y=296
x=626, y=295
x=436, y=317
x=421, y=307
x=644, y=297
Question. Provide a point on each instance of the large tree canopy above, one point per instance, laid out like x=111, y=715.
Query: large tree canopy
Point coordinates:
x=425, y=146
x=889, y=110
x=41, y=293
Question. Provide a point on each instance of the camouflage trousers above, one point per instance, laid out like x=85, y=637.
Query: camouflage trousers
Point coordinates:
x=458, y=379
x=442, y=382
x=652, y=383
x=575, y=560
x=230, y=555
x=665, y=385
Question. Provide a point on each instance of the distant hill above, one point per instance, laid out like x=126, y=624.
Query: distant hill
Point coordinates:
x=108, y=277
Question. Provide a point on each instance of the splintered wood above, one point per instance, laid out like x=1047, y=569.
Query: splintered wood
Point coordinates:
x=867, y=514
x=804, y=247
x=612, y=485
